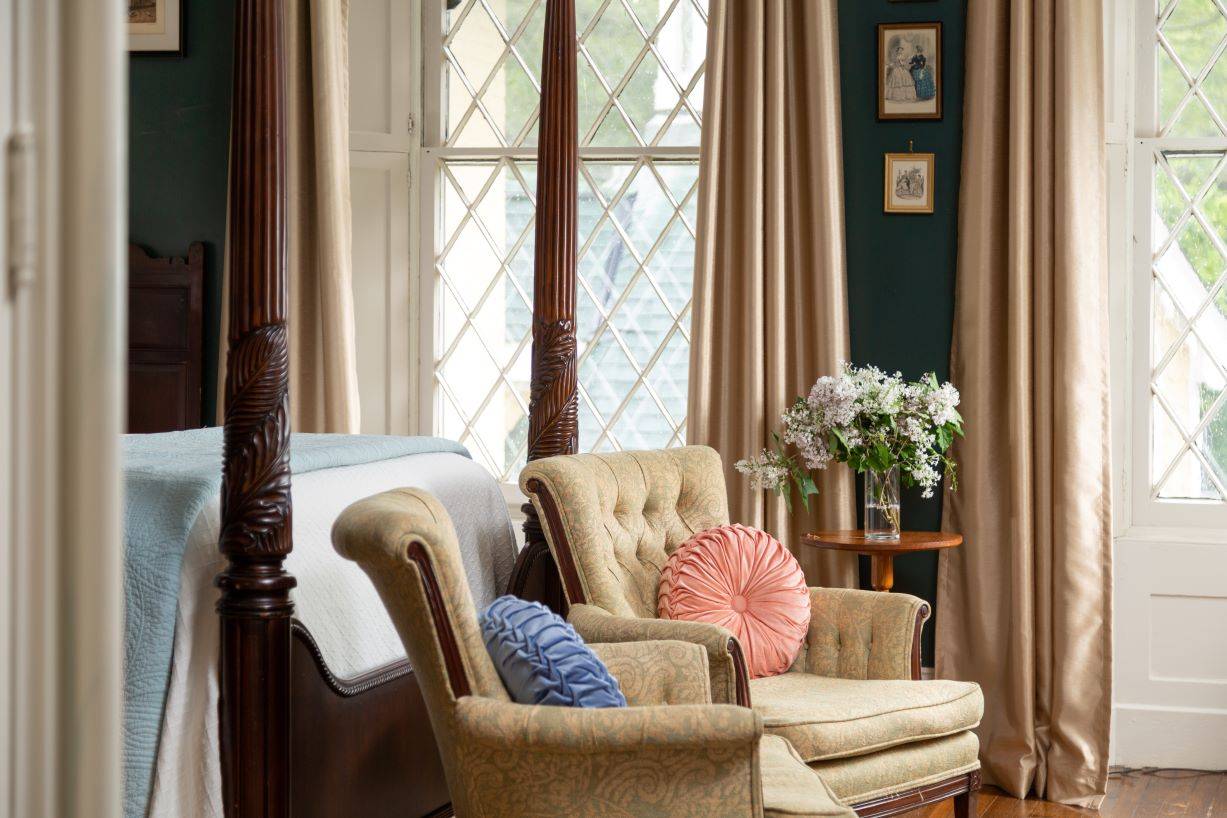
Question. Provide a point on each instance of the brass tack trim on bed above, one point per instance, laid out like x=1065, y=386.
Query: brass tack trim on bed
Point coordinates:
x=348, y=687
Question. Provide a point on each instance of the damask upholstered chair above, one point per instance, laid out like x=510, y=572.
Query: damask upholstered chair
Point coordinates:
x=851, y=705
x=671, y=753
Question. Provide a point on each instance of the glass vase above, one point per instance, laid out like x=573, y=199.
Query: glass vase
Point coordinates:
x=882, y=504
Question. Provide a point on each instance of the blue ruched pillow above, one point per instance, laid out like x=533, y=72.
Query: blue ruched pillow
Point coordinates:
x=542, y=660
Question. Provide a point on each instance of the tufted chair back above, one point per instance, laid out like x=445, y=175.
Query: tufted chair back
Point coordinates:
x=611, y=520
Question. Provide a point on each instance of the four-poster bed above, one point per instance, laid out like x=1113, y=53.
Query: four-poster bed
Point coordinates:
x=294, y=739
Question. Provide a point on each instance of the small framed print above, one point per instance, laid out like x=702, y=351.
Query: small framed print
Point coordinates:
x=908, y=183
x=155, y=26
x=910, y=71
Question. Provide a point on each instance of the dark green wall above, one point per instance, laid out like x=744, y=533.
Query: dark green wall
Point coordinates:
x=901, y=266
x=178, y=133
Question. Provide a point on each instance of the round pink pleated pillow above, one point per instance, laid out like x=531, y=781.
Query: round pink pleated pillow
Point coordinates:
x=745, y=580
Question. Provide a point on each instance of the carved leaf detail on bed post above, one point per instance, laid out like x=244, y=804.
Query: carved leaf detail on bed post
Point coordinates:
x=553, y=426
x=255, y=607
x=256, y=471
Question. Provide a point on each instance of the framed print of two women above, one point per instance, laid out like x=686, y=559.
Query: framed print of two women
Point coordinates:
x=910, y=71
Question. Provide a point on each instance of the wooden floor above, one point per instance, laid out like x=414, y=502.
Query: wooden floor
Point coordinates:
x=1138, y=795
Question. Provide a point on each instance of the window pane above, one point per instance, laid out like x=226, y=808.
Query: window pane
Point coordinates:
x=1189, y=326
x=483, y=289
x=492, y=74
x=640, y=69
x=1191, y=78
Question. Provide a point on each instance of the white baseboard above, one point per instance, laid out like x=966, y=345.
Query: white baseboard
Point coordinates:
x=1153, y=736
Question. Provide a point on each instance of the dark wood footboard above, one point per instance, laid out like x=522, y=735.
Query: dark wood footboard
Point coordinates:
x=361, y=746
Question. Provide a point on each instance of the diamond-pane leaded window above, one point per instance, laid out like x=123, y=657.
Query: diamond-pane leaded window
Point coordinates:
x=1188, y=258
x=640, y=66
x=1189, y=326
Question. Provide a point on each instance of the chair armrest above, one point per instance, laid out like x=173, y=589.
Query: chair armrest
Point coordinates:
x=625, y=761
x=658, y=672
x=863, y=634
x=730, y=680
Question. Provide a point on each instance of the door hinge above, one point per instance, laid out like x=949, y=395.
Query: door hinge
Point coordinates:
x=21, y=206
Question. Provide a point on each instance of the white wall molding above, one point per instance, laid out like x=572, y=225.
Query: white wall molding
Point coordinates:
x=1179, y=736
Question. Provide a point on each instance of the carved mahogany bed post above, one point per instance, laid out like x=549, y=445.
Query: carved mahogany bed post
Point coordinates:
x=553, y=424
x=255, y=605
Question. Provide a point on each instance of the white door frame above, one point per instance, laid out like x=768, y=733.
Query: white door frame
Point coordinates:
x=62, y=124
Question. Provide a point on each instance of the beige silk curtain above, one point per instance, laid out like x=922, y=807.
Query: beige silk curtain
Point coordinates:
x=1024, y=606
x=770, y=307
x=323, y=364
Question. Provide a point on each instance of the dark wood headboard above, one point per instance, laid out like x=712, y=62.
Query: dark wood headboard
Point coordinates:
x=165, y=346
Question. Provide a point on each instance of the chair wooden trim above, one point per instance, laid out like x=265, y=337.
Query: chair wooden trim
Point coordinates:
x=962, y=788
x=448, y=644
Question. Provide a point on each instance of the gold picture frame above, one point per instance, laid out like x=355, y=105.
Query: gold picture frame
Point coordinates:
x=155, y=26
x=907, y=183
x=909, y=71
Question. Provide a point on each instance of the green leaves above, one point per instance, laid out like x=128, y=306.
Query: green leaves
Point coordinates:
x=807, y=486
x=879, y=457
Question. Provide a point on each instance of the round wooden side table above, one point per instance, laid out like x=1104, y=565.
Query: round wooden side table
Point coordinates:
x=882, y=553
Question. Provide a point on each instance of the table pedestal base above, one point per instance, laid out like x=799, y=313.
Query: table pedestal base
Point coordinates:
x=883, y=573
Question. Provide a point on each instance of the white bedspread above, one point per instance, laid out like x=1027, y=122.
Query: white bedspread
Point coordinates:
x=334, y=599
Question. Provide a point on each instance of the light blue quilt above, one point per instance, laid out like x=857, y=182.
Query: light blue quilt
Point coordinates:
x=168, y=479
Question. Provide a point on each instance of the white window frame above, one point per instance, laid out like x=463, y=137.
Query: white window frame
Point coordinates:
x=426, y=213
x=1132, y=138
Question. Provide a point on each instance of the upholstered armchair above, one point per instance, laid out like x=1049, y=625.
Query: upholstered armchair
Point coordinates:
x=671, y=753
x=851, y=705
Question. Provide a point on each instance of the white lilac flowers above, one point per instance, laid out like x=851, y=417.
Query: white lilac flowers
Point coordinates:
x=871, y=421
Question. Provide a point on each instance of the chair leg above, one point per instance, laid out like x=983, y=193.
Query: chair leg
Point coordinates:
x=965, y=805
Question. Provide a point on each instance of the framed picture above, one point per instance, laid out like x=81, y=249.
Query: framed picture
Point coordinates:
x=908, y=183
x=910, y=71
x=155, y=26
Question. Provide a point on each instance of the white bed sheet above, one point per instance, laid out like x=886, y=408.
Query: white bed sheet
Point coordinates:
x=334, y=599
